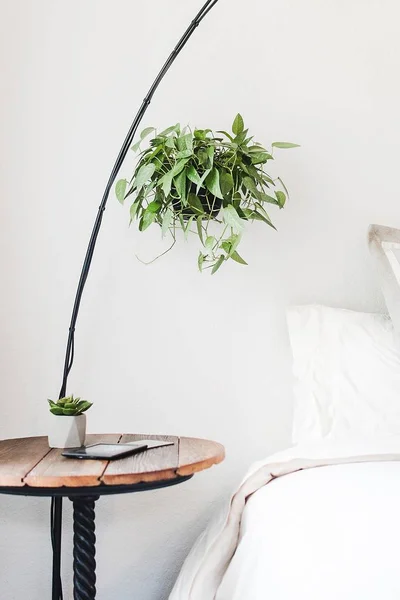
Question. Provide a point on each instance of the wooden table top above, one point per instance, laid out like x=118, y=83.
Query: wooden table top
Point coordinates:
x=30, y=462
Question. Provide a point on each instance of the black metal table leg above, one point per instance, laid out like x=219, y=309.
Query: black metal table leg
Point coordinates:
x=83, y=499
x=56, y=521
x=84, y=548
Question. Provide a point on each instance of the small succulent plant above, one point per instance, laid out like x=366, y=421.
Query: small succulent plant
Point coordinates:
x=69, y=406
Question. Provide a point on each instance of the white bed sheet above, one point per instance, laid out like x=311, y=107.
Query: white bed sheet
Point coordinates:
x=327, y=533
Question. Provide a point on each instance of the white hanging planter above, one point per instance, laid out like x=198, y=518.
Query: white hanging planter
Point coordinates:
x=67, y=432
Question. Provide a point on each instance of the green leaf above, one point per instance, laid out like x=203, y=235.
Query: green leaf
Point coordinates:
x=281, y=197
x=150, y=153
x=210, y=242
x=258, y=158
x=69, y=412
x=200, y=228
x=241, y=137
x=227, y=134
x=261, y=209
x=217, y=264
x=148, y=188
x=184, y=145
x=188, y=226
x=254, y=215
x=195, y=203
x=170, y=143
x=202, y=180
x=257, y=216
x=232, y=219
x=180, y=184
x=238, y=124
x=234, y=241
x=136, y=146
x=226, y=182
x=202, y=156
x=156, y=141
x=199, y=134
x=210, y=151
x=212, y=183
x=256, y=148
x=147, y=219
x=200, y=261
x=56, y=410
x=154, y=206
x=166, y=180
x=69, y=405
x=193, y=175
x=133, y=210
x=249, y=184
x=174, y=128
x=82, y=406
x=285, y=145
x=265, y=198
x=120, y=189
x=146, y=132
x=235, y=256
x=267, y=180
x=167, y=220
x=226, y=246
x=144, y=174
x=177, y=168
x=248, y=212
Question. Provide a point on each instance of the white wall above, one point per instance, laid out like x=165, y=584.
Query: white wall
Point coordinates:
x=163, y=348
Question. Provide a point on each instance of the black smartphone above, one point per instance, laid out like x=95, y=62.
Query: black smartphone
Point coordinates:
x=105, y=451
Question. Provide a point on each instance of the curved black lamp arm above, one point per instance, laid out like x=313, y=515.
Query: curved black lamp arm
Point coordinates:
x=69, y=355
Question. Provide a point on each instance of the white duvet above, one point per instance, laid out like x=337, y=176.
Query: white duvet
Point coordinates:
x=305, y=532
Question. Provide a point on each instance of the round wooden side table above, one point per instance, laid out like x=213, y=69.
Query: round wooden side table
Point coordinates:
x=29, y=467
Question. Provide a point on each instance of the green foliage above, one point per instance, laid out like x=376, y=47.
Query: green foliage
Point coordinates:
x=207, y=184
x=69, y=406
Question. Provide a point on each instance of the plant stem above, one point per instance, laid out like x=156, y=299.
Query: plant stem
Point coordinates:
x=157, y=257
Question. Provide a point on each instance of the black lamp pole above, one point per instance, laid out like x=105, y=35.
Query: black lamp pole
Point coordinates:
x=69, y=354
x=56, y=509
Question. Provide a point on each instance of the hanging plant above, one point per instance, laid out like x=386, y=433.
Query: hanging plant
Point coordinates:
x=206, y=184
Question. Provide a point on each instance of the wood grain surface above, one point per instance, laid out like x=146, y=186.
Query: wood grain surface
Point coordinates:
x=156, y=464
x=18, y=457
x=30, y=462
x=57, y=471
x=196, y=455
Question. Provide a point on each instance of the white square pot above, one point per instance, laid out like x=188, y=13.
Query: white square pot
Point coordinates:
x=67, y=432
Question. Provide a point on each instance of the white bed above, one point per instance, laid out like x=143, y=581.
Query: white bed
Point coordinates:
x=327, y=533
x=321, y=520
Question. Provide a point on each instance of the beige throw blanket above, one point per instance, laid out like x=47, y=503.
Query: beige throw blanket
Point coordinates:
x=206, y=564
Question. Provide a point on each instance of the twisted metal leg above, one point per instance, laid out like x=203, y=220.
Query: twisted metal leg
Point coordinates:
x=84, y=548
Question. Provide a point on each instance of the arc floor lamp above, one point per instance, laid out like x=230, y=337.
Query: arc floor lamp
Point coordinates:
x=56, y=508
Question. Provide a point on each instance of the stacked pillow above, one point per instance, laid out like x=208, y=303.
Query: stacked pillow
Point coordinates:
x=347, y=364
x=384, y=244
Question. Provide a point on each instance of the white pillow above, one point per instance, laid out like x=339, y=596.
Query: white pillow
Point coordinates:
x=384, y=245
x=347, y=373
